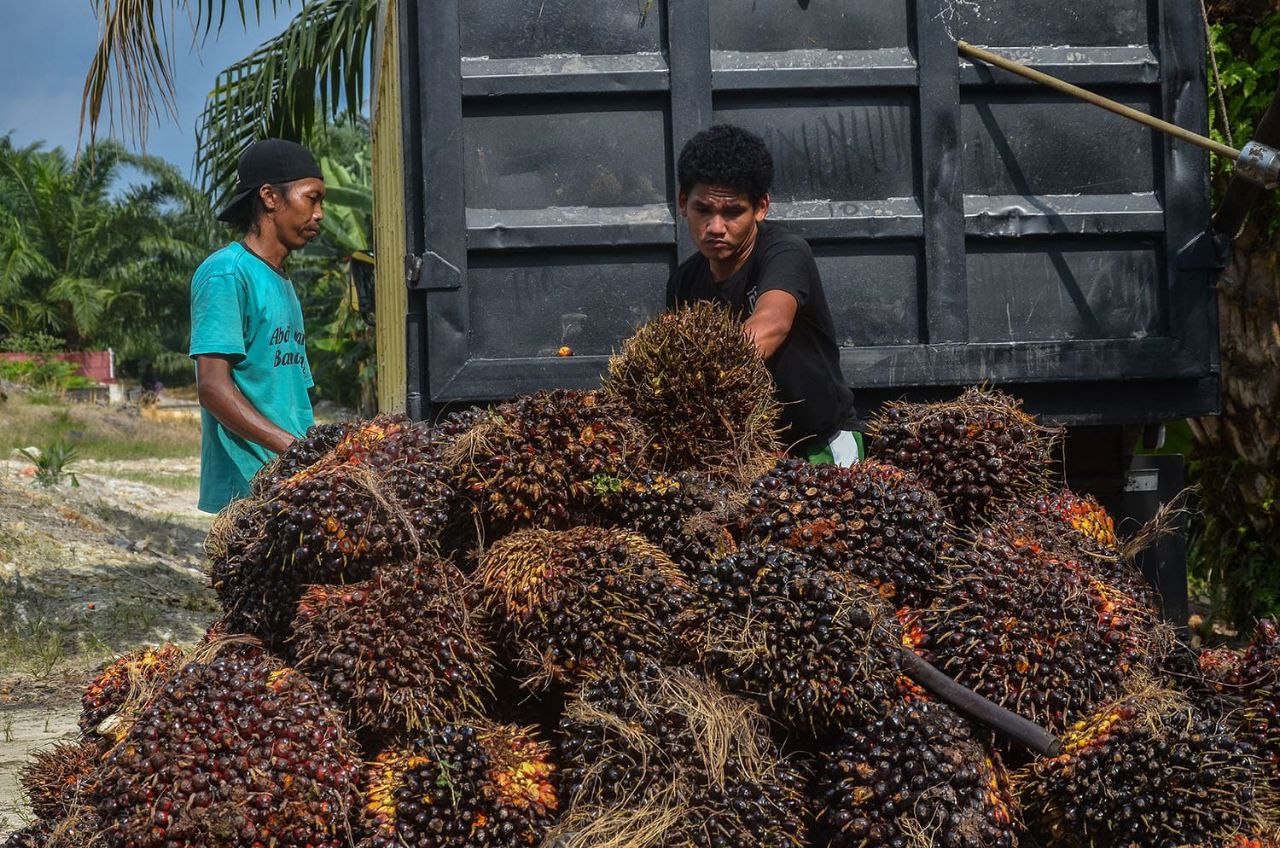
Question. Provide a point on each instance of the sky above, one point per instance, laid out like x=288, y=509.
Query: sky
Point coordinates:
x=45, y=48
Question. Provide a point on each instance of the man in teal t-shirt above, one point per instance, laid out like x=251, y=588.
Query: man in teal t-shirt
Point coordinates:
x=247, y=336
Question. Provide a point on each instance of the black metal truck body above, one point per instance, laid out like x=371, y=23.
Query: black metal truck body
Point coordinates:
x=970, y=227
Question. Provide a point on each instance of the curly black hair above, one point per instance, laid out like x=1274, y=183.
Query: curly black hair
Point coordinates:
x=727, y=156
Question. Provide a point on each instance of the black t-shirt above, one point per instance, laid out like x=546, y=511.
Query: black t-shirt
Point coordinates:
x=806, y=368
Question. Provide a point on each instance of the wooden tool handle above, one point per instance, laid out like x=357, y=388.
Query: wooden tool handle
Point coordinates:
x=1097, y=100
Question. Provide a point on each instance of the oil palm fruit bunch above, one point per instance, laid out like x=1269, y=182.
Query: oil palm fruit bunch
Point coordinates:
x=314, y=445
x=120, y=681
x=55, y=779
x=1147, y=770
x=235, y=749
x=1247, y=682
x=1083, y=514
x=584, y=602
x=34, y=835
x=916, y=776
x=663, y=758
x=700, y=390
x=978, y=453
x=873, y=520
x=462, y=786
x=1262, y=702
x=1080, y=529
x=675, y=511
x=396, y=651
x=1039, y=636
x=816, y=647
x=373, y=499
x=533, y=462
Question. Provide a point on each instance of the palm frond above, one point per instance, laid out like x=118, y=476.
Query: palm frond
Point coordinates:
x=130, y=78
x=311, y=73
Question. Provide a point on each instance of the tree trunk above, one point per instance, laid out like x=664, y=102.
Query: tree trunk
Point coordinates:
x=1239, y=451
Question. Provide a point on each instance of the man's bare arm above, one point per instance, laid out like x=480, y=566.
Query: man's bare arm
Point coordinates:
x=219, y=395
x=771, y=322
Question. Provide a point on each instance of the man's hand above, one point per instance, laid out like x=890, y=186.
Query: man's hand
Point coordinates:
x=771, y=323
x=219, y=395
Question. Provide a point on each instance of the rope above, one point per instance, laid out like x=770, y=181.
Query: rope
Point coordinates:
x=1217, y=77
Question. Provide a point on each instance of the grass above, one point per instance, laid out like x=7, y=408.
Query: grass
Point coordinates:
x=97, y=434
x=178, y=482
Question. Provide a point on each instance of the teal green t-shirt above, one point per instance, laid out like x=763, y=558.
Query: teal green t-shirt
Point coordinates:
x=243, y=309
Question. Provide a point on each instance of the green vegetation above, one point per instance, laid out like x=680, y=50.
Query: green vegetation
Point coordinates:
x=84, y=265
x=1248, y=58
x=1235, y=536
x=51, y=462
x=95, y=434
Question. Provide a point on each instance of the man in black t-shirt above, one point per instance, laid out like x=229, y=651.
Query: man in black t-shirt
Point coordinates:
x=769, y=277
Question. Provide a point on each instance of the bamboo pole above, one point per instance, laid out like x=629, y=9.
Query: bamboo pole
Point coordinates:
x=1097, y=100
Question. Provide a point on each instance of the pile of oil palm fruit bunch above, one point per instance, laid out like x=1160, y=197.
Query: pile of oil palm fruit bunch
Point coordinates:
x=624, y=618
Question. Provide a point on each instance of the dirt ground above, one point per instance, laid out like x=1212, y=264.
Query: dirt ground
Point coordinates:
x=85, y=574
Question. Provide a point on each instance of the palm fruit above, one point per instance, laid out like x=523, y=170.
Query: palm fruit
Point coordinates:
x=318, y=441
x=872, y=520
x=34, y=835
x=684, y=514
x=1039, y=636
x=54, y=778
x=120, y=679
x=915, y=776
x=584, y=602
x=1083, y=514
x=1080, y=529
x=817, y=647
x=978, y=452
x=235, y=750
x=462, y=786
x=396, y=651
x=1147, y=770
x=699, y=388
x=377, y=497
x=1246, y=684
x=665, y=759
x=534, y=462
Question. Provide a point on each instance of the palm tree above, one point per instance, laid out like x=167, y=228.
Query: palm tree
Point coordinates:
x=312, y=73
x=92, y=267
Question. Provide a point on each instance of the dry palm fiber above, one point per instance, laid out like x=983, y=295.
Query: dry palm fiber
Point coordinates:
x=816, y=647
x=978, y=452
x=476, y=785
x=1147, y=770
x=583, y=602
x=698, y=386
x=873, y=520
x=54, y=778
x=663, y=759
x=115, y=681
x=397, y=651
x=534, y=462
x=314, y=445
x=235, y=749
x=1040, y=636
x=917, y=778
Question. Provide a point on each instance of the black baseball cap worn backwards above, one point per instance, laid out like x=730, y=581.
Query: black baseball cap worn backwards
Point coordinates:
x=269, y=162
